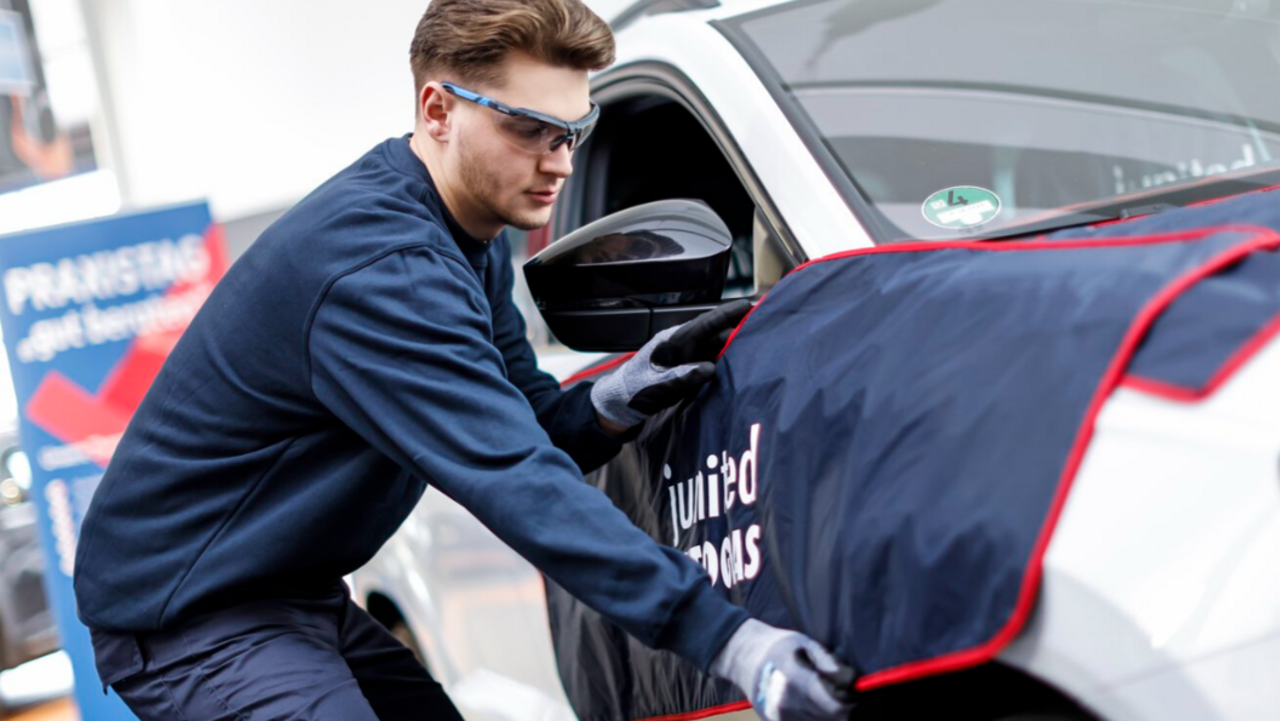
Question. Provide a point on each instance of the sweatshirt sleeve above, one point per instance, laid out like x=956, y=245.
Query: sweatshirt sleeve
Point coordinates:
x=568, y=416
x=400, y=351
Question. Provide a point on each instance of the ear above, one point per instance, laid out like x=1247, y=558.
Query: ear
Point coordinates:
x=435, y=108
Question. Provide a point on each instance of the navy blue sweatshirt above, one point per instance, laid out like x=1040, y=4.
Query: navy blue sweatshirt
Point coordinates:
x=363, y=348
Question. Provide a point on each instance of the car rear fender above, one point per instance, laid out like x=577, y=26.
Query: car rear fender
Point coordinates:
x=1167, y=548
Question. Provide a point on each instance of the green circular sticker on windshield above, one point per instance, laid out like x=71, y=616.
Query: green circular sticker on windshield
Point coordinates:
x=963, y=206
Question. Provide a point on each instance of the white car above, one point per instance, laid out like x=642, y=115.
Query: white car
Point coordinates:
x=823, y=126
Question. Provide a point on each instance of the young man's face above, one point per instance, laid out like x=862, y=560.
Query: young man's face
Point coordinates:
x=493, y=182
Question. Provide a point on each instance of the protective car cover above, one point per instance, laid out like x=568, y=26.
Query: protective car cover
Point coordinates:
x=892, y=433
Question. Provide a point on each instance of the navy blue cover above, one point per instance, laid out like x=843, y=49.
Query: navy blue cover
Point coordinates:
x=906, y=424
x=1196, y=337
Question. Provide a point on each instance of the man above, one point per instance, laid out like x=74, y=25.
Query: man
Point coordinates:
x=365, y=346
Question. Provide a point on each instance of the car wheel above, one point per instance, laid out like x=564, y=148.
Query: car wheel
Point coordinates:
x=404, y=635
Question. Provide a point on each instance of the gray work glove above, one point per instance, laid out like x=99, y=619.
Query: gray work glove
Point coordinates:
x=786, y=675
x=672, y=366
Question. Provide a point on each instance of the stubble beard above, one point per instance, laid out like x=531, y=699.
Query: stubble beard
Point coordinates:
x=482, y=184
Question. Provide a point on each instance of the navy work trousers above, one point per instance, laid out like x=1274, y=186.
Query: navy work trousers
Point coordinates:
x=322, y=659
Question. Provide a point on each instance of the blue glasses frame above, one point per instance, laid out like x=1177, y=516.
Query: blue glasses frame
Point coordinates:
x=575, y=131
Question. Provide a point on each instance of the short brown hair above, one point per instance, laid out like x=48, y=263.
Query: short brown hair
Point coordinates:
x=468, y=39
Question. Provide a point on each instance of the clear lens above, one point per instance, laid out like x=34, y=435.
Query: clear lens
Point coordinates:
x=527, y=134
x=582, y=137
x=534, y=136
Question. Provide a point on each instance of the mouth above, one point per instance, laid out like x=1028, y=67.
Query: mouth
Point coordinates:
x=543, y=196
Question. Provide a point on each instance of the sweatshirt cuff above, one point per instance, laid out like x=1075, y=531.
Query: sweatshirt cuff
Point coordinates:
x=700, y=626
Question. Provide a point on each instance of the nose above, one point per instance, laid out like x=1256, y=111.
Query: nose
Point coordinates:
x=558, y=162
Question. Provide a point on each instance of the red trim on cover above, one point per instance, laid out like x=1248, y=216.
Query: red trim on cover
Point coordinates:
x=1008, y=246
x=1168, y=391
x=1031, y=577
x=728, y=342
x=1259, y=239
x=1175, y=392
x=704, y=713
x=987, y=245
x=586, y=373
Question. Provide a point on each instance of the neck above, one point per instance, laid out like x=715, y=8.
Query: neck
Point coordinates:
x=449, y=191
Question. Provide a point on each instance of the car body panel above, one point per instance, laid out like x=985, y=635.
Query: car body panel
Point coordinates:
x=476, y=609
x=1165, y=552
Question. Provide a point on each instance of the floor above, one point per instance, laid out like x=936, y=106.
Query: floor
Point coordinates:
x=60, y=710
x=39, y=691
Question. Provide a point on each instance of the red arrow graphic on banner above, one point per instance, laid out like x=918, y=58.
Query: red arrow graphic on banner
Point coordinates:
x=73, y=415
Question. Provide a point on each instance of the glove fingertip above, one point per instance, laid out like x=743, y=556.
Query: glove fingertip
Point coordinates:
x=703, y=371
x=822, y=659
x=739, y=308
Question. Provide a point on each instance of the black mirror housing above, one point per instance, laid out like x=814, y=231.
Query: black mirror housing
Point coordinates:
x=613, y=284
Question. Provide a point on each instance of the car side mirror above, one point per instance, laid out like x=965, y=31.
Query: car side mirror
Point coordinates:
x=612, y=285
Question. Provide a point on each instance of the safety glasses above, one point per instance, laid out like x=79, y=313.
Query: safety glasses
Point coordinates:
x=529, y=130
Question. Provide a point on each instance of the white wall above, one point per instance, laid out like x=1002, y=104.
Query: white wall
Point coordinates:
x=252, y=103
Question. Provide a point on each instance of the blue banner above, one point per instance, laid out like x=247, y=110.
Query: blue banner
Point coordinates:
x=89, y=312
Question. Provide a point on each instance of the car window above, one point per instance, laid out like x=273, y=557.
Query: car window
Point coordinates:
x=650, y=148
x=952, y=120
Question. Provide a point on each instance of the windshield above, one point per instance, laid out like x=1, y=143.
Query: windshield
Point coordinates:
x=947, y=119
